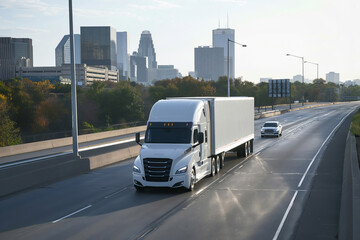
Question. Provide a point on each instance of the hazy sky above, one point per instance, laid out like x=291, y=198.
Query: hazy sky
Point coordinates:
x=322, y=31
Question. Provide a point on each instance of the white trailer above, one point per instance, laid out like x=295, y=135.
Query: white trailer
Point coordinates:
x=187, y=138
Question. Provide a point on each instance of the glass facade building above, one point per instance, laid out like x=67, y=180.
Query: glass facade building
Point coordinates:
x=122, y=54
x=146, y=49
x=62, y=51
x=98, y=46
x=209, y=62
x=14, y=52
x=220, y=39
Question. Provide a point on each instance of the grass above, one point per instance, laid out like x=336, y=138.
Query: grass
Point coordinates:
x=355, y=124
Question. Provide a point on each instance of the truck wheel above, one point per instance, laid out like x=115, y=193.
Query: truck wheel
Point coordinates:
x=213, y=167
x=192, y=180
x=217, y=164
x=139, y=189
x=249, y=148
x=246, y=149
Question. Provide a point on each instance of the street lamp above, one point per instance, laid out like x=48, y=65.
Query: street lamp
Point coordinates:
x=317, y=68
x=228, y=61
x=302, y=65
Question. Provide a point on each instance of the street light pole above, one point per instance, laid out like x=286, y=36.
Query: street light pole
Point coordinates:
x=317, y=68
x=228, y=61
x=73, y=86
x=302, y=66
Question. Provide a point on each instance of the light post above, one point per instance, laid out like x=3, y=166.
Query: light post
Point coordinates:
x=302, y=65
x=228, y=61
x=73, y=86
x=317, y=68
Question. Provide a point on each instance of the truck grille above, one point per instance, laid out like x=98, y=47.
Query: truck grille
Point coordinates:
x=157, y=169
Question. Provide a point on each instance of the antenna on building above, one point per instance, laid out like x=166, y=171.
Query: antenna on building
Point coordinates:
x=227, y=19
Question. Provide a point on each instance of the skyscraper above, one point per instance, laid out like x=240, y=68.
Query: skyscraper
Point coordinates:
x=98, y=46
x=146, y=49
x=14, y=52
x=138, y=68
x=62, y=51
x=220, y=39
x=122, y=54
x=209, y=62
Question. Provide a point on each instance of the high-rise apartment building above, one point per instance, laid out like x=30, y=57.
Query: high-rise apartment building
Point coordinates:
x=62, y=51
x=146, y=49
x=209, y=62
x=220, y=38
x=98, y=46
x=333, y=77
x=122, y=55
x=14, y=52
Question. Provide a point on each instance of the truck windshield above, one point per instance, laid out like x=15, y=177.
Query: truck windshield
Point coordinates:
x=168, y=135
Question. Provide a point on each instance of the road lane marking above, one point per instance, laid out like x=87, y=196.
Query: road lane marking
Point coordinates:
x=285, y=216
x=113, y=194
x=322, y=145
x=71, y=214
x=303, y=177
x=108, y=144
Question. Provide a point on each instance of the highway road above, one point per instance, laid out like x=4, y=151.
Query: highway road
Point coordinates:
x=288, y=189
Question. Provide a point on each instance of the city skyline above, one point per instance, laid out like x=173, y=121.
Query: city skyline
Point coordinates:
x=320, y=31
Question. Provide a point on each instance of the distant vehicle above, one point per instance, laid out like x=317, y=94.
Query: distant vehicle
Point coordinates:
x=186, y=139
x=271, y=128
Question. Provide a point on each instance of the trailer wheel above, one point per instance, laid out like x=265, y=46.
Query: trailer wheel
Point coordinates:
x=222, y=160
x=249, y=148
x=246, y=153
x=217, y=164
x=213, y=167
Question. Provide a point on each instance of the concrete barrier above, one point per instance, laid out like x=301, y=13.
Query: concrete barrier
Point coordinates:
x=349, y=218
x=49, y=144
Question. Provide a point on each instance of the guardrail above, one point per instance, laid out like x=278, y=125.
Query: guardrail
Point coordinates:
x=350, y=196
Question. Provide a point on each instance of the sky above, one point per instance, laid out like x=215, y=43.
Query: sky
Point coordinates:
x=322, y=31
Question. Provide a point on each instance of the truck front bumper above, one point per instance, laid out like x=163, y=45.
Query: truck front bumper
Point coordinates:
x=175, y=181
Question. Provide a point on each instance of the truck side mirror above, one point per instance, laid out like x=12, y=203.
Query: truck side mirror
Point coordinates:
x=201, y=137
x=137, y=138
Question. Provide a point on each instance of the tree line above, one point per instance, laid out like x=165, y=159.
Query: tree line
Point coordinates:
x=30, y=108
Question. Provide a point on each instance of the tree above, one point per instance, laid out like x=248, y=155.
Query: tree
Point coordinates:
x=9, y=134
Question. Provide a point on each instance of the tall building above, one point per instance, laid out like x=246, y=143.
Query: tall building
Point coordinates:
x=14, y=52
x=122, y=55
x=146, y=49
x=333, y=77
x=62, y=51
x=98, y=46
x=167, y=72
x=220, y=38
x=209, y=62
x=138, y=68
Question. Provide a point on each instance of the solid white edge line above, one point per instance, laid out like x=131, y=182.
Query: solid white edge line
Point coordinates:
x=33, y=160
x=285, y=216
x=322, y=145
x=107, y=144
x=73, y=213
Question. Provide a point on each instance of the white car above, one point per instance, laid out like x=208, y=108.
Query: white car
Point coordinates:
x=271, y=128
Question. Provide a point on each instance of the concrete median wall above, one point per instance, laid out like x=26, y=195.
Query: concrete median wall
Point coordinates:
x=49, y=144
x=350, y=197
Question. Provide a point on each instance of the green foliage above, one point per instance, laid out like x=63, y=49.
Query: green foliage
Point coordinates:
x=9, y=134
x=355, y=124
x=91, y=127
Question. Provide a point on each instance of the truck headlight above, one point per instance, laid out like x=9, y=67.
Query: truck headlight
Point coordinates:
x=181, y=170
x=136, y=169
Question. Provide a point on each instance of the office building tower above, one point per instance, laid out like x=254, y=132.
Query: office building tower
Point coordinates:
x=98, y=46
x=209, y=62
x=333, y=77
x=62, y=51
x=146, y=49
x=220, y=39
x=122, y=55
x=167, y=72
x=14, y=52
x=138, y=68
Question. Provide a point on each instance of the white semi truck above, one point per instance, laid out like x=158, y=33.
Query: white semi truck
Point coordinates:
x=186, y=139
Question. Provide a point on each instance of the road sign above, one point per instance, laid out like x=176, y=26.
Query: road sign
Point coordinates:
x=279, y=88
